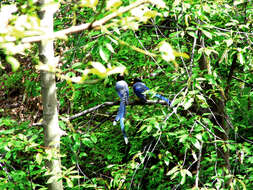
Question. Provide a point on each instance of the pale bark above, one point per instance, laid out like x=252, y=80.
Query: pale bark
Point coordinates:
x=52, y=132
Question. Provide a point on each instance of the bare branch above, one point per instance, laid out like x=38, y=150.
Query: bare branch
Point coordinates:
x=148, y=102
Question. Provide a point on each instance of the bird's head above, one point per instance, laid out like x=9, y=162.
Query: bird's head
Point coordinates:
x=137, y=80
x=120, y=77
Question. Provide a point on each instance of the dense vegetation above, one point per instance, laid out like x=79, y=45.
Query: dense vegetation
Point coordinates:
x=197, y=53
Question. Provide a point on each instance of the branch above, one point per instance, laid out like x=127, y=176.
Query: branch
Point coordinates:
x=198, y=166
x=248, y=84
x=92, y=109
x=75, y=29
x=148, y=102
x=136, y=102
x=193, y=52
x=230, y=75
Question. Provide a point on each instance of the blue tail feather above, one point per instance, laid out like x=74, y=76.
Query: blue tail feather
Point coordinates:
x=163, y=98
x=121, y=112
x=123, y=130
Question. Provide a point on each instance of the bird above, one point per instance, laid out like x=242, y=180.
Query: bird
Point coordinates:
x=139, y=88
x=123, y=92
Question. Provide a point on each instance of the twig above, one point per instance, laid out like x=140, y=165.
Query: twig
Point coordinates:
x=6, y=171
x=75, y=29
x=147, y=52
x=193, y=52
x=92, y=109
x=251, y=85
x=198, y=166
x=181, y=56
x=206, y=128
x=143, y=160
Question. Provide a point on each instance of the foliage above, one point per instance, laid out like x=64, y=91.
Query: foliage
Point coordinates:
x=186, y=51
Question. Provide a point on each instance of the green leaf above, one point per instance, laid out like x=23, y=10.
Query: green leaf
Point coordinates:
x=149, y=128
x=243, y=184
x=78, y=64
x=94, y=138
x=192, y=34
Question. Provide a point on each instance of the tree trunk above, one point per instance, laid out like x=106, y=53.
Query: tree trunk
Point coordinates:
x=217, y=107
x=52, y=132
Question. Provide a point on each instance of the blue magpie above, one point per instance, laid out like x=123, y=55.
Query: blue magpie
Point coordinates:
x=123, y=92
x=139, y=89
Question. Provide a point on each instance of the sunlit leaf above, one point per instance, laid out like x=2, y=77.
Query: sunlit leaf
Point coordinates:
x=77, y=79
x=173, y=170
x=194, y=155
x=240, y=57
x=52, y=179
x=229, y=42
x=98, y=66
x=89, y=3
x=238, y=2
x=113, y=4
x=183, y=174
x=115, y=70
x=39, y=158
x=14, y=63
x=207, y=34
x=166, y=51
x=199, y=136
x=192, y=34
x=188, y=173
x=158, y=3
x=177, y=2
x=187, y=18
x=151, y=14
x=242, y=183
x=188, y=103
x=197, y=144
x=78, y=64
x=109, y=47
x=103, y=55
x=114, y=41
x=6, y=14
x=69, y=182
x=179, y=54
